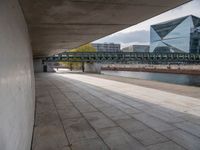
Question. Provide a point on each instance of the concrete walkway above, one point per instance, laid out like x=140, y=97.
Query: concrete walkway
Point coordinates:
x=83, y=112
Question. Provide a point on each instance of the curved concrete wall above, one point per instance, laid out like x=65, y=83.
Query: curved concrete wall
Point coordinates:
x=16, y=79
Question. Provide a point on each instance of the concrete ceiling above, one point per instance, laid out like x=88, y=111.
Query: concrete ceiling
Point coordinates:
x=65, y=24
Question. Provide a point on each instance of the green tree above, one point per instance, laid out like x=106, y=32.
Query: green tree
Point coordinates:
x=84, y=48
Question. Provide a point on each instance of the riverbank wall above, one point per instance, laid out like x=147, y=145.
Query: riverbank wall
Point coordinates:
x=178, y=69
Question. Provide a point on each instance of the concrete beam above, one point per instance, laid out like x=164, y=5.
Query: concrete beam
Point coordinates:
x=65, y=24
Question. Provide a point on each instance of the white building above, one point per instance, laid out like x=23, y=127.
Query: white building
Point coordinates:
x=106, y=47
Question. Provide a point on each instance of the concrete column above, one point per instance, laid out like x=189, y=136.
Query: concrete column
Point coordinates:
x=17, y=89
x=38, y=65
x=42, y=66
x=92, y=68
x=50, y=67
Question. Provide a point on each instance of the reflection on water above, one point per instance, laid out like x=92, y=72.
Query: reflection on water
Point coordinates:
x=193, y=80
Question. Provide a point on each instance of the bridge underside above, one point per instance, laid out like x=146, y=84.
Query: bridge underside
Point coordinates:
x=55, y=25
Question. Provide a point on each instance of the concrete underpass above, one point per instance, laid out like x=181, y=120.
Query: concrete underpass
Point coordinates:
x=55, y=111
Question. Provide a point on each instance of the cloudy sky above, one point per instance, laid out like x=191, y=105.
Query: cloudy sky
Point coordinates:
x=139, y=34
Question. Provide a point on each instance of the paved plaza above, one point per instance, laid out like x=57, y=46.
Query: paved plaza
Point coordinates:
x=77, y=111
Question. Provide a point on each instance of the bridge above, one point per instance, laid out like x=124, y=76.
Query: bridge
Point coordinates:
x=126, y=57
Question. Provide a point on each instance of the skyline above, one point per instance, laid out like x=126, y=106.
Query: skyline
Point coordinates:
x=140, y=33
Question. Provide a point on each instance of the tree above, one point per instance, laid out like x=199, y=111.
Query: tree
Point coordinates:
x=84, y=48
x=78, y=65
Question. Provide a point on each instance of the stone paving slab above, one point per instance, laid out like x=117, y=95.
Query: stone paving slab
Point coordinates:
x=84, y=107
x=78, y=129
x=165, y=146
x=98, y=120
x=49, y=137
x=89, y=144
x=153, y=122
x=141, y=132
x=189, y=127
x=149, y=137
x=191, y=118
x=80, y=112
x=114, y=113
x=132, y=125
x=165, y=116
x=69, y=112
x=118, y=139
x=184, y=139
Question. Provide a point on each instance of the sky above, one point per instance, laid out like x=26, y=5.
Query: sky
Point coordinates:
x=140, y=33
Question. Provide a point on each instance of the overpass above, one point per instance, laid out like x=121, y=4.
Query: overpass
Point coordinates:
x=40, y=28
x=126, y=57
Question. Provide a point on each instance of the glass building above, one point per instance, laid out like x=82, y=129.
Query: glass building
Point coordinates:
x=179, y=35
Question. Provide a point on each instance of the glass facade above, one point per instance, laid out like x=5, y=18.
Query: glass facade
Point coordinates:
x=179, y=35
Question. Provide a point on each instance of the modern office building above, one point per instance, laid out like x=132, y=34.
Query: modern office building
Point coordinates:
x=106, y=47
x=136, y=48
x=179, y=35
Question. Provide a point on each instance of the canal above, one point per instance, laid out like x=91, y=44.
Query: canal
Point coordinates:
x=183, y=79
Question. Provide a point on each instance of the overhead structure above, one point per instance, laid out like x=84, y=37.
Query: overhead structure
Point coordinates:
x=56, y=25
x=126, y=57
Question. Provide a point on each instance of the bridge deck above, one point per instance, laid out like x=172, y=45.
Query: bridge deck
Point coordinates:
x=83, y=112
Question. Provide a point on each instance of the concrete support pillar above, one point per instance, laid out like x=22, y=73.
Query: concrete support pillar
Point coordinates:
x=38, y=65
x=42, y=66
x=92, y=68
x=50, y=67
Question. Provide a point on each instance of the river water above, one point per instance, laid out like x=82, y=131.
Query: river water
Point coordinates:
x=183, y=79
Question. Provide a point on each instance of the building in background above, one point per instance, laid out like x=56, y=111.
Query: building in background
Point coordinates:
x=136, y=48
x=179, y=35
x=106, y=47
